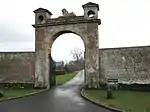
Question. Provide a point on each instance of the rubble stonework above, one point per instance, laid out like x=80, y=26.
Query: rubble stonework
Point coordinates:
x=17, y=67
x=131, y=65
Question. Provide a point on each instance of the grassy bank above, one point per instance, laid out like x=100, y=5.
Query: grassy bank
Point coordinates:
x=10, y=93
x=61, y=79
x=130, y=101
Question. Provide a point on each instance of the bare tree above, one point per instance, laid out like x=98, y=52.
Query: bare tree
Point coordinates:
x=77, y=54
x=78, y=58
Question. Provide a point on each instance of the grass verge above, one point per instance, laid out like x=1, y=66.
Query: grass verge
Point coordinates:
x=12, y=93
x=129, y=101
x=61, y=79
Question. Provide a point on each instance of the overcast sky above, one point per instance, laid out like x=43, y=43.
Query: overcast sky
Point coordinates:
x=124, y=23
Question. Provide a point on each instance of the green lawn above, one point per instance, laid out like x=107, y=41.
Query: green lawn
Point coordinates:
x=61, y=79
x=125, y=100
x=9, y=93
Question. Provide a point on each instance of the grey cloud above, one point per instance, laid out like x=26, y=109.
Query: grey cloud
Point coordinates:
x=14, y=35
x=17, y=47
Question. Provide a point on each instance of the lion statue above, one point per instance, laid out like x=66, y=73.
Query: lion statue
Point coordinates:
x=66, y=13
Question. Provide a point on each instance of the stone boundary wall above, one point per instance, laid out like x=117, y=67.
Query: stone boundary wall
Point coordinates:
x=129, y=64
x=17, y=67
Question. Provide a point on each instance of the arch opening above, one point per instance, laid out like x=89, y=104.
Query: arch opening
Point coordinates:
x=67, y=55
x=91, y=13
x=41, y=18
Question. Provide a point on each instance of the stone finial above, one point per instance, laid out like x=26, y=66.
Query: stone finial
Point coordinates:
x=91, y=4
x=41, y=15
x=42, y=10
x=91, y=10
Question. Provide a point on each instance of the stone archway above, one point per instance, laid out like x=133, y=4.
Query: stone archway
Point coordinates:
x=47, y=29
x=63, y=43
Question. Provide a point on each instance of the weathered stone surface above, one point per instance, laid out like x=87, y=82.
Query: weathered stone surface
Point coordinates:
x=46, y=33
x=17, y=67
x=130, y=65
x=67, y=14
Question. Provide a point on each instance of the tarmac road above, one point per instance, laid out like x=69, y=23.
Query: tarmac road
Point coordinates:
x=64, y=98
